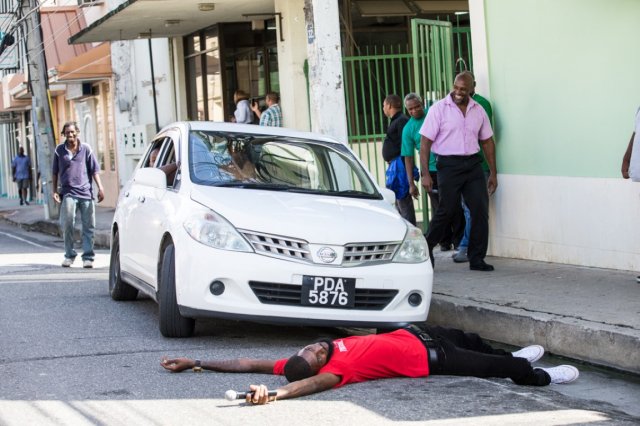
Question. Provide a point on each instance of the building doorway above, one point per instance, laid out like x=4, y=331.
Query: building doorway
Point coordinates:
x=227, y=57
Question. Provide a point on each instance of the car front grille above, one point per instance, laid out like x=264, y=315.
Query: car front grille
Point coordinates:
x=367, y=299
x=273, y=245
x=355, y=254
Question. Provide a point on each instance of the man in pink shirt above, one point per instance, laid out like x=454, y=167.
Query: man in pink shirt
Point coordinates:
x=455, y=129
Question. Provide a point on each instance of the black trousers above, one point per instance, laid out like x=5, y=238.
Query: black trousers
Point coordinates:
x=454, y=232
x=466, y=354
x=406, y=209
x=462, y=176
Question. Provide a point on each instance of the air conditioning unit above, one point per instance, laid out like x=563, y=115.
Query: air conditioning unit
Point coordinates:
x=90, y=2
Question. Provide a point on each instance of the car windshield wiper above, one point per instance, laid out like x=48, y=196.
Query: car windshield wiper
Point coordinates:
x=353, y=193
x=254, y=185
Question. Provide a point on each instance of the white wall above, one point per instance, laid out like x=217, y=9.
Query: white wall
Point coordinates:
x=578, y=221
x=134, y=94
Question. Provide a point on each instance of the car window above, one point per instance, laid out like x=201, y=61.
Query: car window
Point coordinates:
x=152, y=154
x=276, y=163
x=168, y=161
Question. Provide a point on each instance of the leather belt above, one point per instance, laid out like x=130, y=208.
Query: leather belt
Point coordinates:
x=429, y=343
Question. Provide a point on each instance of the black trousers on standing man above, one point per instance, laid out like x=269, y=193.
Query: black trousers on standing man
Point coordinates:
x=462, y=175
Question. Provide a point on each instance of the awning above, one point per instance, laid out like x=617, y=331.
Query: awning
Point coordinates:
x=58, y=24
x=92, y=65
x=14, y=92
x=135, y=19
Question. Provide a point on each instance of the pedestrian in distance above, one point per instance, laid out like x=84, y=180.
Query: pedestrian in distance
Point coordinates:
x=272, y=116
x=631, y=158
x=456, y=128
x=21, y=171
x=396, y=175
x=76, y=165
x=408, y=352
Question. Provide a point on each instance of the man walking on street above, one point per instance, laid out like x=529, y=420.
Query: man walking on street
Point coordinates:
x=76, y=165
x=631, y=159
x=391, y=150
x=272, y=116
x=21, y=168
x=454, y=129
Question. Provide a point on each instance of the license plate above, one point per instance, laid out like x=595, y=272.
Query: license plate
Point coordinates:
x=328, y=292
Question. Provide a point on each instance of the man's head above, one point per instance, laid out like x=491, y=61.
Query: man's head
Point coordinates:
x=462, y=88
x=70, y=131
x=272, y=98
x=309, y=360
x=391, y=105
x=414, y=106
x=21, y=151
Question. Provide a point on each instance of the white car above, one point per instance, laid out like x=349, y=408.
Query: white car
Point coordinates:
x=264, y=224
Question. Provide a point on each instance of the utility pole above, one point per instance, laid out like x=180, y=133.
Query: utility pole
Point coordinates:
x=39, y=85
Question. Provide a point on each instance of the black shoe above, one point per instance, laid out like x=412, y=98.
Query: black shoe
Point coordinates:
x=445, y=247
x=26, y=202
x=21, y=202
x=481, y=266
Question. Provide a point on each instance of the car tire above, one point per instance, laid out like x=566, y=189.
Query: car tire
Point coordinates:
x=172, y=323
x=118, y=289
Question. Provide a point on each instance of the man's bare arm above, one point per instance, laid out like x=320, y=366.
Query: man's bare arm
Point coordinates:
x=626, y=160
x=314, y=384
x=240, y=365
x=425, y=153
x=489, y=148
x=408, y=165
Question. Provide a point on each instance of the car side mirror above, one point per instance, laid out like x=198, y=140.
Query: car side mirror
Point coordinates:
x=150, y=176
x=388, y=195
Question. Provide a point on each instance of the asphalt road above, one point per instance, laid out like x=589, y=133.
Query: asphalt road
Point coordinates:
x=69, y=355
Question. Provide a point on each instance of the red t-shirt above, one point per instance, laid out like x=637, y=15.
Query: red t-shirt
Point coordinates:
x=376, y=356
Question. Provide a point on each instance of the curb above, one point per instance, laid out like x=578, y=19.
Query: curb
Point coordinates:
x=601, y=344
x=101, y=237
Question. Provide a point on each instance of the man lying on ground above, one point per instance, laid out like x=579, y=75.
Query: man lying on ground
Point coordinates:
x=408, y=352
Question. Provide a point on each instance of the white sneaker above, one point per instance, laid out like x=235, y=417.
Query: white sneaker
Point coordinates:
x=562, y=373
x=87, y=264
x=530, y=353
x=67, y=262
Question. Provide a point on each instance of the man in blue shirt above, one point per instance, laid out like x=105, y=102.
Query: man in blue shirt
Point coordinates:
x=21, y=168
x=76, y=164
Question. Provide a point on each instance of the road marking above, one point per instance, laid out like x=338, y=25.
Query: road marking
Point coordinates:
x=23, y=240
x=56, y=276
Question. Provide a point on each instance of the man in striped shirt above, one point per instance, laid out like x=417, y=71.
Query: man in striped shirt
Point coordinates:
x=272, y=116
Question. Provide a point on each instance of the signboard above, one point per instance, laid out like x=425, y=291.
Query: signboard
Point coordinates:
x=9, y=58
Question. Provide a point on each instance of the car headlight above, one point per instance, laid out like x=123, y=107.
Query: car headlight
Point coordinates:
x=413, y=249
x=211, y=229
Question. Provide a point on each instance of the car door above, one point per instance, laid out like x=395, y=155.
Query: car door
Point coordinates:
x=133, y=205
x=156, y=209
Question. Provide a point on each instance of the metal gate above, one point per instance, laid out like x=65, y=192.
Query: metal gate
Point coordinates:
x=426, y=68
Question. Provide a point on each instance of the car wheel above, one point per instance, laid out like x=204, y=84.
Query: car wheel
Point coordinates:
x=172, y=324
x=118, y=289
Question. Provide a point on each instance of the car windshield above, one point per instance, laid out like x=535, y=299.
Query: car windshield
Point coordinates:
x=276, y=163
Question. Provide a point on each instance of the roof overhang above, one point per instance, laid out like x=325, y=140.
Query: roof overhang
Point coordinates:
x=134, y=19
x=92, y=65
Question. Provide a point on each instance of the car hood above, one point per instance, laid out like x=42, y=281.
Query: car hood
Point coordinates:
x=314, y=218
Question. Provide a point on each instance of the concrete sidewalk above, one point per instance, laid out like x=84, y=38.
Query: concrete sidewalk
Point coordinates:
x=582, y=313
